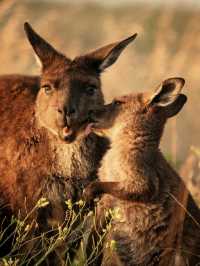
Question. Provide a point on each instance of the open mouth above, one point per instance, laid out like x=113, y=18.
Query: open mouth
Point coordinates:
x=69, y=134
x=95, y=128
x=93, y=125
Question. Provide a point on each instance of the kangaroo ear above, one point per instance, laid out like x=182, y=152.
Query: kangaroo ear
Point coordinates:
x=168, y=96
x=167, y=92
x=175, y=107
x=44, y=51
x=107, y=55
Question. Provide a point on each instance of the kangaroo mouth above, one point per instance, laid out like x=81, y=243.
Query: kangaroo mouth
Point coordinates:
x=67, y=134
x=94, y=127
x=70, y=134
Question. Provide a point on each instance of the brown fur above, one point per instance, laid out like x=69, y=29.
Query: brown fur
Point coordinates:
x=42, y=153
x=137, y=180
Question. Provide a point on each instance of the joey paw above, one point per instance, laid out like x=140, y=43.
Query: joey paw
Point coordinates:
x=90, y=192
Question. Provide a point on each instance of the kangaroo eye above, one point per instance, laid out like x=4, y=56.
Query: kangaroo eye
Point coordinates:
x=90, y=90
x=117, y=102
x=48, y=89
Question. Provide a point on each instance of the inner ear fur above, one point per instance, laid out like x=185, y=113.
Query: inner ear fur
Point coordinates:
x=175, y=107
x=108, y=55
x=167, y=92
x=45, y=52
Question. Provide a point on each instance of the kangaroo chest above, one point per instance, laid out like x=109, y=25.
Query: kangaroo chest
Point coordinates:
x=74, y=160
x=139, y=230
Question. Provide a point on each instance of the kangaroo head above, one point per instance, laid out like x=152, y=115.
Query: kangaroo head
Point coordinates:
x=70, y=89
x=143, y=114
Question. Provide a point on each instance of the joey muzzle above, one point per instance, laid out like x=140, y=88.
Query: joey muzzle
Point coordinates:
x=94, y=123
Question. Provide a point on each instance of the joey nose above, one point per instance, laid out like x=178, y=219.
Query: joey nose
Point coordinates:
x=59, y=111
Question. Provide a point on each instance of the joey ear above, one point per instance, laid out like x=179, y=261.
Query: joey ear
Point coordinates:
x=45, y=53
x=175, y=107
x=107, y=55
x=167, y=92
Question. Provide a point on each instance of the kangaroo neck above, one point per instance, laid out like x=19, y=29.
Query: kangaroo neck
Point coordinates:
x=138, y=148
x=74, y=159
x=77, y=160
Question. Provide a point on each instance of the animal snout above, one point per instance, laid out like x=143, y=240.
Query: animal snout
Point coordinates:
x=70, y=111
x=69, y=114
x=94, y=115
x=66, y=131
x=91, y=115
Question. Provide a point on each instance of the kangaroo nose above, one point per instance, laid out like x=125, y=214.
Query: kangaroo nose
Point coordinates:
x=70, y=111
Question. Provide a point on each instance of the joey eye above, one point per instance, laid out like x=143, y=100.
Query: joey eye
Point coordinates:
x=90, y=90
x=48, y=89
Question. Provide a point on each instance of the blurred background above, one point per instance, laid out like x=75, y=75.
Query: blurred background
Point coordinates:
x=168, y=45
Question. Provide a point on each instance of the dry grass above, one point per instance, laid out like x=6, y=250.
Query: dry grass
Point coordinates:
x=190, y=172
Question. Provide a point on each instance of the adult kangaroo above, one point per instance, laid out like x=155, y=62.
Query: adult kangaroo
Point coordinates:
x=42, y=153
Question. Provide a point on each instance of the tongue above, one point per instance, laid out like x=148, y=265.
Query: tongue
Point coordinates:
x=88, y=129
x=67, y=131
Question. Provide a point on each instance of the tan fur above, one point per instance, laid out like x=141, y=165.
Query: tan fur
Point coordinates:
x=38, y=158
x=138, y=181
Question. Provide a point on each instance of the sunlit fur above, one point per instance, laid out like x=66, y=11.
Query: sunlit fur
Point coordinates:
x=36, y=158
x=136, y=179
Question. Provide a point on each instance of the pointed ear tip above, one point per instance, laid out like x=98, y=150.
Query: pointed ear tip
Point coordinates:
x=132, y=37
x=26, y=26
